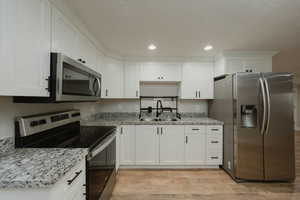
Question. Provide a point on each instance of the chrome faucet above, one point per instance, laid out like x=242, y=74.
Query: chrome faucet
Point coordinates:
x=161, y=108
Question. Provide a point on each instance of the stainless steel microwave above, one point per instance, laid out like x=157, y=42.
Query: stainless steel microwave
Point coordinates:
x=69, y=81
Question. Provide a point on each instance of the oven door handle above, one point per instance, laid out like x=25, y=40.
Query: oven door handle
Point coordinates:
x=101, y=146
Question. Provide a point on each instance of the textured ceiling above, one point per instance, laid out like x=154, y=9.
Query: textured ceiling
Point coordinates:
x=184, y=27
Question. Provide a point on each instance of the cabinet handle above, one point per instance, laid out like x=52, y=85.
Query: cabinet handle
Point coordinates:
x=157, y=131
x=215, y=129
x=74, y=178
x=106, y=92
x=214, y=157
x=137, y=93
x=195, y=129
x=214, y=142
x=196, y=94
x=161, y=131
x=121, y=130
x=186, y=139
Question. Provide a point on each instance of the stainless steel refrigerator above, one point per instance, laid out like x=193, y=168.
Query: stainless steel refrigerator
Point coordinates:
x=257, y=110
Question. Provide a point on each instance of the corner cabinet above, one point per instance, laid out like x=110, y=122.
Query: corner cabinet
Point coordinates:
x=25, y=38
x=197, y=81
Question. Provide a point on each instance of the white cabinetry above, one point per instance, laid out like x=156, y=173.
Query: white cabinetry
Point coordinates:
x=112, y=79
x=214, y=141
x=171, y=145
x=63, y=189
x=197, y=81
x=131, y=80
x=64, y=35
x=147, y=145
x=25, y=38
x=243, y=62
x=170, y=72
x=127, y=145
x=195, y=147
x=86, y=52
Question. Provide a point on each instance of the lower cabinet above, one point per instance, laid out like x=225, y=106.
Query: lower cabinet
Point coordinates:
x=127, y=145
x=171, y=145
x=195, y=145
x=147, y=145
x=70, y=187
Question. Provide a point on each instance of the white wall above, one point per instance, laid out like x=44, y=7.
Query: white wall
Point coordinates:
x=9, y=110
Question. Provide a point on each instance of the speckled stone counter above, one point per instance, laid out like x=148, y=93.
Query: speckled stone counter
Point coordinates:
x=35, y=168
x=135, y=121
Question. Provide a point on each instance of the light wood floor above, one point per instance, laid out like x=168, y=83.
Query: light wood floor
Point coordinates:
x=200, y=185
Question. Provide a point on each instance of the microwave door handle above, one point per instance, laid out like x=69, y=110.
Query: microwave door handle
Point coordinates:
x=263, y=123
x=98, y=93
x=268, y=105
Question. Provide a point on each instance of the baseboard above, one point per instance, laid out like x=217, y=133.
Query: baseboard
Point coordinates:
x=169, y=167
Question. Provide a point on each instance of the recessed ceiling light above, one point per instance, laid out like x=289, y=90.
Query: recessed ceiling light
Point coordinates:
x=208, y=47
x=152, y=47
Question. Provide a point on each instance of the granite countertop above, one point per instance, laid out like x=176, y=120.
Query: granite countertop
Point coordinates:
x=136, y=121
x=36, y=168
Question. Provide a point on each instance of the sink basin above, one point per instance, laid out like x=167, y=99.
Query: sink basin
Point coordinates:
x=158, y=119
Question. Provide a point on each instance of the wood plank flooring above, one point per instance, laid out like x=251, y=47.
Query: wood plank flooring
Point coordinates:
x=200, y=185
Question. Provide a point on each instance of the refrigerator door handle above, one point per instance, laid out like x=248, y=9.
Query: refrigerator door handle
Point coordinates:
x=268, y=105
x=264, y=106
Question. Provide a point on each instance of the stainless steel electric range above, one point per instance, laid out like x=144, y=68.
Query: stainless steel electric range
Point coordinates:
x=63, y=130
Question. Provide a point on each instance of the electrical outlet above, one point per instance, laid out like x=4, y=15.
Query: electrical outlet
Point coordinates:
x=229, y=165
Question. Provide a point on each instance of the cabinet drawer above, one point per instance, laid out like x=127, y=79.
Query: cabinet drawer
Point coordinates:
x=214, y=156
x=214, y=143
x=215, y=130
x=195, y=129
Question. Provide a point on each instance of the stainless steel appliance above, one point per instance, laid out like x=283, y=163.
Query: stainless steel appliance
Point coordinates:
x=69, y=80
x=63, y=130
x=257, y=109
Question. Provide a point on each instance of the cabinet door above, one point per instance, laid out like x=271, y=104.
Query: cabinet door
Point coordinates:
x=131, y=80
x=86, y=52
x=161, y=72
x=195, y=145
x=112, y=79
x=127, y=145
x=147, y=145
x=197, y=81
x=7, y=46
x=33, y=44
x=64, y=35
x=171, y=145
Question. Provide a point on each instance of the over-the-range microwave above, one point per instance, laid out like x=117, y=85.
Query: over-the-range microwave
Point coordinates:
x=69, y=81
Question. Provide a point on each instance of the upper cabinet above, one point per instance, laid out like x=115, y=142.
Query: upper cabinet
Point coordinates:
x=232, y=62
x=68, y=40
x=86, y=52
x=25, y=38
x=170, y=72
x=64, y=35
x=112, y=79
x=197, y=81
x=131, y=80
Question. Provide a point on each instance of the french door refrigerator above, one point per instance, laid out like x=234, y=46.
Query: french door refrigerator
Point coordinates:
x=257, y=110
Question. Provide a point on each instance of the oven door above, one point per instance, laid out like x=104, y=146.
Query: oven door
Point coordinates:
x=101, y=170
x=76, y=82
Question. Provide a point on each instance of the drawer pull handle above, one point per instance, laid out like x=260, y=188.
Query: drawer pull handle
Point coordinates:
x=74, y=178
x=214, y=142
x=195, y=129
x=214, y=157
x=215, y=129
